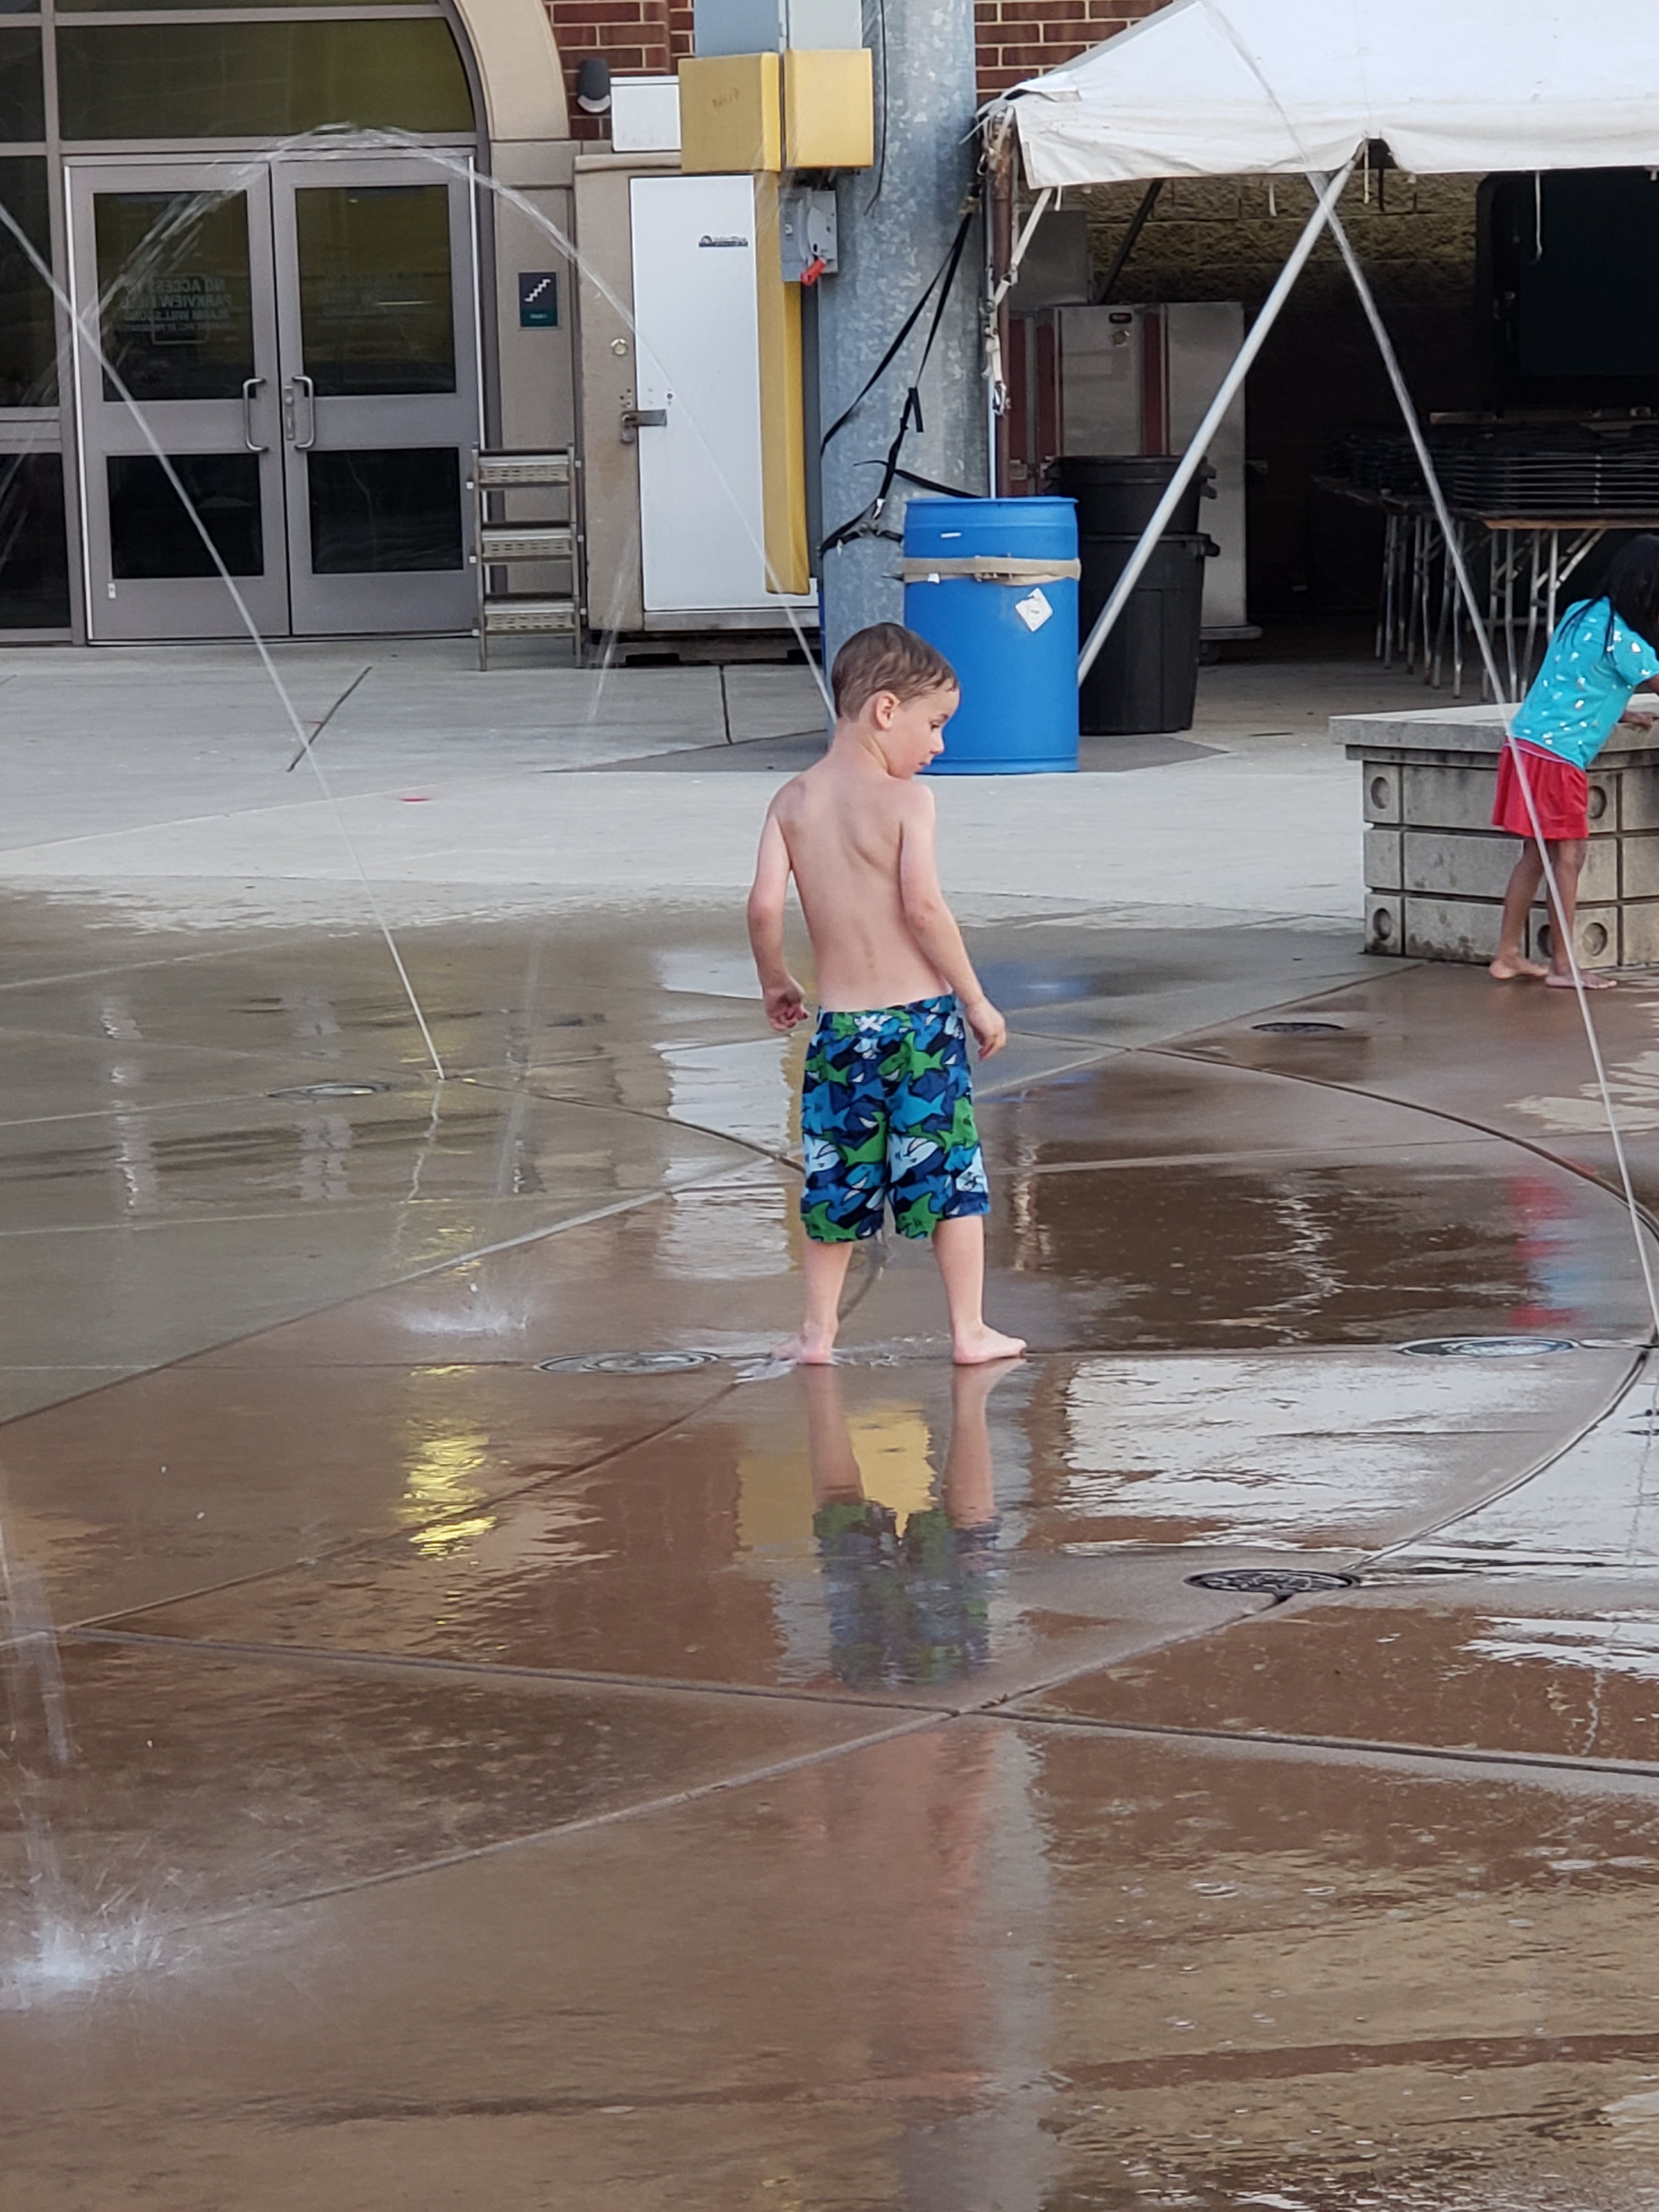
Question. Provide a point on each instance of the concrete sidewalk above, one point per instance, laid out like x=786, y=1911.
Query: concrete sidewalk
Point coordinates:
x=134, y=772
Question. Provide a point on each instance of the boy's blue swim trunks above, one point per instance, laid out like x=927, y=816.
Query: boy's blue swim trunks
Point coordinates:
x=887, y=1117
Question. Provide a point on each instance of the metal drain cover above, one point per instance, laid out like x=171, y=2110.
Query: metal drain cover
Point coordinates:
x=628, y=1363
x=1487, y=1347
x=1271, y=1582
x=330, y=1090
x=1300, y=1028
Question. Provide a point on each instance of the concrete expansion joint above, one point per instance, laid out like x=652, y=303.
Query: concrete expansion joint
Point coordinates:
x=584, y=1824
x=325, y=1657
x=639, y=1113
x=1360, y=1749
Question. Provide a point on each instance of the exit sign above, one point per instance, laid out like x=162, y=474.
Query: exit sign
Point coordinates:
x=538, y=299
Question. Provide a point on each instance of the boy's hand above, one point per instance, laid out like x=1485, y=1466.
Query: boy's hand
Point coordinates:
x=990, y=1030
x=786, y=1004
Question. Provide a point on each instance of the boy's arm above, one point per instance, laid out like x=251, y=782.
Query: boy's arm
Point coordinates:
x=786, y=1001
x=933, y=924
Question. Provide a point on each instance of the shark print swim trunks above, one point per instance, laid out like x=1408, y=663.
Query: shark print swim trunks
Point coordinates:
x=887, y=1117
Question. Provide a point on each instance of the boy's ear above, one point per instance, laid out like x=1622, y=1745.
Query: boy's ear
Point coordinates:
x=884, y=705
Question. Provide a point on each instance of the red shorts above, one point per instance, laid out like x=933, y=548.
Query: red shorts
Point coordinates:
x=1560, y=794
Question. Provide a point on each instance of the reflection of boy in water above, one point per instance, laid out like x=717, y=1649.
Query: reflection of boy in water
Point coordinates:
x=913, y=1607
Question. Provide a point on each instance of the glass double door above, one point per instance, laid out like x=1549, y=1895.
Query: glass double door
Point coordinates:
x=300, y=339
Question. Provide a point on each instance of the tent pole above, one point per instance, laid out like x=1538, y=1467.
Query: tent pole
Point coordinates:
x=1328, y=193
x=1137, y=223
x=1425, y=460
x=998, y=167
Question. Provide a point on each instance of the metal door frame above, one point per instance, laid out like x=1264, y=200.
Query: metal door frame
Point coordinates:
x=267, y=595
x=422, y=601
x=277, y=322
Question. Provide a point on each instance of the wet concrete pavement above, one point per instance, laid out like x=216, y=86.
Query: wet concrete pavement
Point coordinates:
x=500, y=1778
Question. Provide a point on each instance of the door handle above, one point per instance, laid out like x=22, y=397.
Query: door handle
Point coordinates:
x=253, y=384
x=291, y=412
x=635, y=419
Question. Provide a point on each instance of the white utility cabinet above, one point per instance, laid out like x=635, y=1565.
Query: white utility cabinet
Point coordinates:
x=698, y=404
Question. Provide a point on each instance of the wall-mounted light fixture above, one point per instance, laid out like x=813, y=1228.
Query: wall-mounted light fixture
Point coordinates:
x=594, y=85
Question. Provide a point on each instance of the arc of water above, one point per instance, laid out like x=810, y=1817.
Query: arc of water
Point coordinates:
x=86, y=331
x=32, y=1671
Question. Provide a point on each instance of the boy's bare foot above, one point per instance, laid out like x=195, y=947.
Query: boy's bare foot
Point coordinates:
x=976, y=1348
x=1508, y=969
x=811, y=1348
x=1591, y=978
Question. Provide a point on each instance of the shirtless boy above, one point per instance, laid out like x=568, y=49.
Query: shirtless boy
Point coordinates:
x=887, y=1112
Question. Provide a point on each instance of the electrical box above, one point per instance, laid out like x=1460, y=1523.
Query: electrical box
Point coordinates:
x=731, y=115
x=761, y=27
x=806, y=236
x=817, y=26
x=645, y=115
x=829, y=108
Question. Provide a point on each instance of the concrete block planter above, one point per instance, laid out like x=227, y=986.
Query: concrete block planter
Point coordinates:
x=1434, y=867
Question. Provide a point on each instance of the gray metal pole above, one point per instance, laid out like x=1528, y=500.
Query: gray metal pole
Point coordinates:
x=895, y=223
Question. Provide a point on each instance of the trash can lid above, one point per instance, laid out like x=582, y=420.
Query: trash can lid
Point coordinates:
x=1015, y=527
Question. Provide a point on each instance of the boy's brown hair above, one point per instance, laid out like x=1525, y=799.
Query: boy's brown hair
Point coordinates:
x=887, y=657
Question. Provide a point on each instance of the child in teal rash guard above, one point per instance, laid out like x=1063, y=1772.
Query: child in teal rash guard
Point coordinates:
x=1602, y=652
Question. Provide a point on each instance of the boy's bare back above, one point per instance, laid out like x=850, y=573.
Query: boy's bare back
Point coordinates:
x=849, y=830
x=856, y=832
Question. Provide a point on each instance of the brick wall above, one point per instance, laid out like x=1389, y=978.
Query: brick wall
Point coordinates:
x=646, y=37
x=1018, y=38
x=635, y=36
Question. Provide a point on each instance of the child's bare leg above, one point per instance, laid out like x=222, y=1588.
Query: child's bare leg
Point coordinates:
x=1567, y=856
x=959, y=1248
x=1510, y=961
x=835, y=1472
x=969, y=1487
x=824, y=1267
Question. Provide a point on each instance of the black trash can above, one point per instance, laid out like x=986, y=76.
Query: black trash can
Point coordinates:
x=1116, y=493
x=1145, y=677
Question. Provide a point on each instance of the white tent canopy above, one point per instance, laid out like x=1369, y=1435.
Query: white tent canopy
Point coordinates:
x=1226, y=88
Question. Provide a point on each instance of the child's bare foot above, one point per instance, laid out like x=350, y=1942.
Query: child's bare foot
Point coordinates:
x=811, y=1348
x=1591, y=978
x=1511, y=968
x=974, y=1347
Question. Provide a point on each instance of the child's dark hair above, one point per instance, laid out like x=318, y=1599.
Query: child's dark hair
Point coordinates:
x=887, y=657
x=1632, y=586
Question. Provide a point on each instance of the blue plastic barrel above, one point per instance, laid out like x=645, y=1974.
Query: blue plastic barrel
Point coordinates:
x=1014, y=644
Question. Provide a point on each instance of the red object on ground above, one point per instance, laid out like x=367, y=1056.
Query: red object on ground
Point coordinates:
x=1560, y=794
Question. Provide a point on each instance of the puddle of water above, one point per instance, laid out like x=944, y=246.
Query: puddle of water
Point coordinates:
x=1626, y=1642
x=1275, y=1450
x=1596, y=1506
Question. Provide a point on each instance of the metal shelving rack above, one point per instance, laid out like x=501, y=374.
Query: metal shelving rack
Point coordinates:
x=502, y=544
